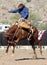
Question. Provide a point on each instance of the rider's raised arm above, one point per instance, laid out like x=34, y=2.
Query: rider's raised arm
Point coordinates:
x=13, y=11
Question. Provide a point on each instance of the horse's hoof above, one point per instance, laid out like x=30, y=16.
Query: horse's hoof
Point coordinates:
x=12, y=54
x=6, y=53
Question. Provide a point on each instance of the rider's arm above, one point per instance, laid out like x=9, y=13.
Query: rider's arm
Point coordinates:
x=13, y=11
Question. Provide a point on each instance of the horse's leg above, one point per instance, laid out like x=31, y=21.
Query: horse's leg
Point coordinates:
x=7, y=48
x=13, y=48
x=33, y=47
x=15, y=43
x=34, y=51
x=41, y=49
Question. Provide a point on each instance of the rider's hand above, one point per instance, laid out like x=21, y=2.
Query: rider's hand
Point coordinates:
x=9, y=11
x=21, y=20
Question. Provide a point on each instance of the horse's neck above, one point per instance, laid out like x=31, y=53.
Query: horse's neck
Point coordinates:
x=12, y=29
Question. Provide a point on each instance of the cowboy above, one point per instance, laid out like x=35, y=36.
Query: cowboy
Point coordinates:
x=23, y=11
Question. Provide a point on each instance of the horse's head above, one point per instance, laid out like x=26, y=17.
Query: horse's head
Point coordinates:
x=9, y=33
x=7, y=36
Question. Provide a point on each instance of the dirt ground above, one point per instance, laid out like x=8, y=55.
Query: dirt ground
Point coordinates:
x=22, y=57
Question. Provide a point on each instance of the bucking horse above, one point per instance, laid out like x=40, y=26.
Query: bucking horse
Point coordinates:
x=16, y=33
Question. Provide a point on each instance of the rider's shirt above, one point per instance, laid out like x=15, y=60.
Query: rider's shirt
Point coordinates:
x=23, y=12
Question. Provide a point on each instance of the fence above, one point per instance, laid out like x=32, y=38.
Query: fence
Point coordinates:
x=24, y=43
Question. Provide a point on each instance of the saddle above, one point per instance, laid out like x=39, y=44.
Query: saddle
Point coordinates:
x=24, y=25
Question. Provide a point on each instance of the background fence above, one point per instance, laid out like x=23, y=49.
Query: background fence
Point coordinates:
x=3, y=41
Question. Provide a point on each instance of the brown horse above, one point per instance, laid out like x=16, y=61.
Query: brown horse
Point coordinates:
x=30, y=34
x=11, y=30
x=21, y=33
